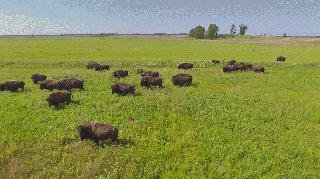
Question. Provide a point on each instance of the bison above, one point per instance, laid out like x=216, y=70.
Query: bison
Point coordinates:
x=238, y=67
x=150, y=81
x=151, y=73
x=2, y=87
x=49, y=85
x=215, y=61
x=97, y=132
x=69, y=84
x=258, y=69
x=281, y=59
x=13, y=86
x=228, y=69
x=231, y=62
x=182, y=80
x=120, y=73
x=102, y=67
x=92, y=65
x=185, y=66
x=123, y=89
x=58, y=98
x=246, y=66
x=38, y=77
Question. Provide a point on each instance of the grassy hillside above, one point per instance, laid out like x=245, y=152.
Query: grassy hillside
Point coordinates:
x=225, y=125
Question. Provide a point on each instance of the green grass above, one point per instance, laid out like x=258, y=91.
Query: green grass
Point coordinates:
x=241, y=125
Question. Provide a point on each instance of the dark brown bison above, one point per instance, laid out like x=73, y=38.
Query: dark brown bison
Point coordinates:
x=151, y=73
x=57, y=98
x=2, y=87
x=281, y=59
x=242, y=66
x=120, y=73
x=182, y=80
x=228, y=69
x=258, y=69
x=13, y=86
x=150, y=81
x=69, y=84
x=215, y=61
x=238, y=67
x=185, y=66
x=38, y=77
x=231, y=62
x=122, y=89
x=49, y=85
x=246, y=66
x=98, y=132
x=92, y=65
x=102, y=67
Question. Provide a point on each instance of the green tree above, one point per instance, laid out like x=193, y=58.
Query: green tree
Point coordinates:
x=198, y=32
x=233, y=29
x=212, y=31
x=191, y=33
x=243, y=29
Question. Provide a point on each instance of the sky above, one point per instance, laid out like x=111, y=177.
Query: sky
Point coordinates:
x=273, y=17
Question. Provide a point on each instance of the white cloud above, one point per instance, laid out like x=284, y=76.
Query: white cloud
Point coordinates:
x=17, y=24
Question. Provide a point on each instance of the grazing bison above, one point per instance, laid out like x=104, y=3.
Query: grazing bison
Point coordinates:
x=182, y=80
x=92, y=65
x=58, y=98
x=215, y=61
x=151, y=73
x=238, y=67
x=281, y=59
x=38, y=77
x=102, y=67
x=97, y=132
x=150, y=81
x=2, y=87
x=246, y=66
x=185, y=66
x=13, y=86
x=122, y=89
x=258, y=69
x=49, y=85
x=120, y=73
x=228, y=68
x=231, y=62
x=69, y=84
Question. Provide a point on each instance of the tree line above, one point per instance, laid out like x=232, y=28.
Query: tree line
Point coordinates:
x=200, y=32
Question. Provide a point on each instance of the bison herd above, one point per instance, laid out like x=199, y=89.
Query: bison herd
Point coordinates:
x=233, y=66
x=149, y=79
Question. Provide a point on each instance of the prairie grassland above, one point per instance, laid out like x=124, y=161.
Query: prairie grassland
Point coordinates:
x=242, y=125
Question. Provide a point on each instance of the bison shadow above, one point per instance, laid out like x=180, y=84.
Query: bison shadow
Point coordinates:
x=103, y=144
x=63, y=106
x=195, y=85
x=121, y=143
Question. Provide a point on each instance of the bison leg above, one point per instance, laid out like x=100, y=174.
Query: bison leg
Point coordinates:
x=97, y=142
x=115, y=141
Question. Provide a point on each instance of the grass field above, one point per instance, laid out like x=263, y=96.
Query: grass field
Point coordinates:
x=242, y=125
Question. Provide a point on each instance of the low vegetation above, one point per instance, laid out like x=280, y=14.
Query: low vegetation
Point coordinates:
x=224, y=125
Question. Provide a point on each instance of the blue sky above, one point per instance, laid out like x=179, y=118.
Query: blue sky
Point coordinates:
x=295, y=17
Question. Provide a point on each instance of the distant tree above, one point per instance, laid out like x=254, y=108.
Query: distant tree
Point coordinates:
x=243, y=29
x=233, y=29
x=198, y=32
x=191, y=33
x=284, y=35
x=212, y=31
